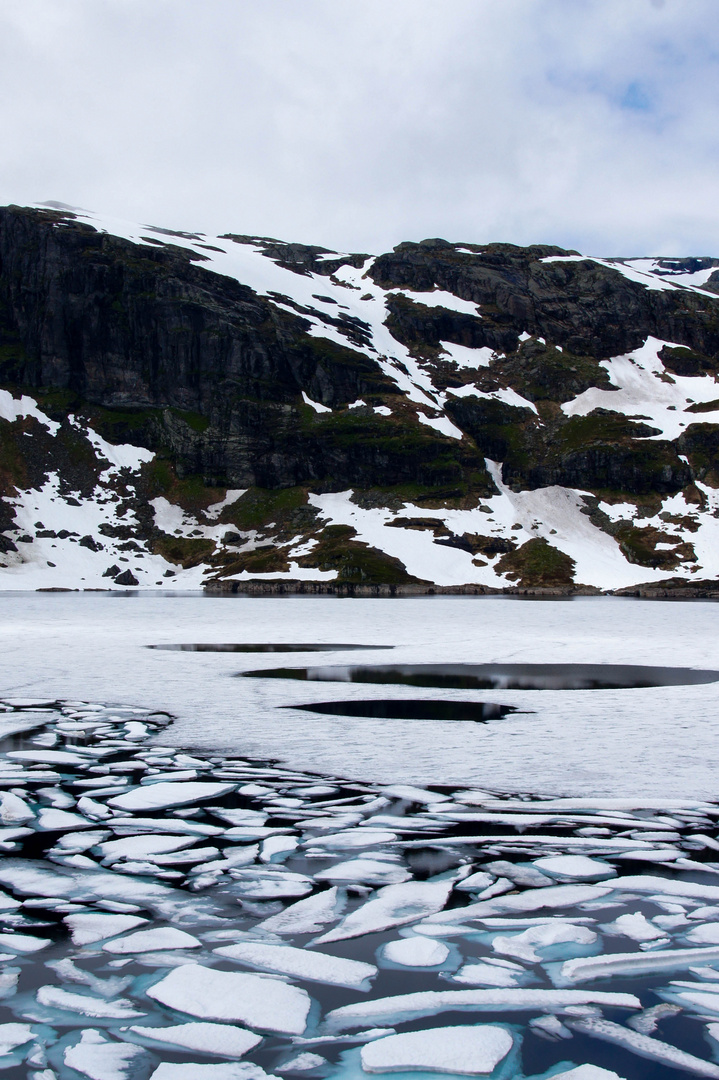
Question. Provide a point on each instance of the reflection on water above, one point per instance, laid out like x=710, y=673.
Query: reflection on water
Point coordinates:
x=262, y=647
x=499, y=676
x=476, y=711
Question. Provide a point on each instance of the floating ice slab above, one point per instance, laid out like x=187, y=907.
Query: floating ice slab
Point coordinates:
x=406, y=1007
x=367, y=871
x=102, y=1059
x=579, y=867
x=644, y=1046
x=301, y=963
x=474, y=1050
x=636, y=926
x=636, y=963
x=221, y=1040
x=260, y=1001
x=499, y=974
x=415, y=951
x=553, y=896
x=307, y=916
x=86, y=929
x=235, y=1070
x=54, y=997
x=707, y=934
x=169, y=793
x=135, y=846
x=23, y=943
x=537, y=939
x=13, y=809
x=395, y=905
x=587, y=1072
x=14, y=1035
x=160, y=938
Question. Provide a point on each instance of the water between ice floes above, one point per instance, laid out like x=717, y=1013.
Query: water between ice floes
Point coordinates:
x=656, y=741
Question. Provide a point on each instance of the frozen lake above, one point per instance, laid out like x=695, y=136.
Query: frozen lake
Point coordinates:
x=655, y=742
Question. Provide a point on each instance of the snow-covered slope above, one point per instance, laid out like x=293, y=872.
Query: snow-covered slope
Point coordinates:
x=498, y=440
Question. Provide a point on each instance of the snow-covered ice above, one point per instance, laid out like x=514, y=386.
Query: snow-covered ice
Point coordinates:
x=472, y=1050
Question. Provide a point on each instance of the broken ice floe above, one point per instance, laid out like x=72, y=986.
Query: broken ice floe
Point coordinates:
x=250, y=912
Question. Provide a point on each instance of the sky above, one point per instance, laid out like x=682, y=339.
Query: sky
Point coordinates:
x=356, y=124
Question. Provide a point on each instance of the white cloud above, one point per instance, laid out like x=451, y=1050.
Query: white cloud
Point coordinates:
x=357, y=125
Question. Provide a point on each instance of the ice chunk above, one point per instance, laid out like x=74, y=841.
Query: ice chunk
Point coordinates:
x=394, y=905
x=161, y=937
x=8, y=981
x=644, y=1046
x=471, y=1050
x=553, y=896
x=221, y=1040
x=367, y=871
x=271, y=884
x=353, y=838
x=636, y=926
x=260, y=1001
x=13, y=1035
x=100, y=1058
x=577, y=867
x=48, y=757
x=301, y=963
x=13, y=809
x=170, y=793
x=498, y=973
x=550, y=1027
x=648, y=1021
x=645, y=883
x=537, y=939
x=61, y=821
x=54, y=997
x=23, y=943
x=307, y=916
x=406, y=1007
x=275, y=846
x=226, y=1070
x=602, y=967
x=303, y=1062
x=587, y=1072
x=146, y=844
x=478, y=881
x=415, y=951
x=88, y=928
x=706, y=934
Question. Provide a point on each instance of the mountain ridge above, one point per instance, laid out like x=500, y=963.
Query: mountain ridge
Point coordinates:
x=441, y=416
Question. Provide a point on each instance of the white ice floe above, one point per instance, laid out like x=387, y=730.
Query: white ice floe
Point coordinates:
x=644, y=1046
x=145, y=844
x=260, y=1001
x=353, y=838
x=499, y=973
x=394, y=905
x=220, y=1040
x=533, y=942
x=472, y=1050
x=307, y=916
x=366, y=870
x=168, y=793
x=302, y=1063
x=86, y=928
x=551, y=896
x=707, y=934
x=415, y=952
x=259, y=884
x=587, y=1072
x=637, y=963
x=635, y=925
x=226, y=1070
x=14, y=1035
x=405, y=1007
x=55, y=997
x=301, y=963
x=23, y=943
x=577, y=867
x=13, y=809
x=100, y=1058
x=159, y=938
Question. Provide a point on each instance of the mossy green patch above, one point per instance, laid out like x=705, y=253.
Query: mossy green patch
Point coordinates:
x=537, y=564
x=190, y=492
x=185, y=551
x=259, y=507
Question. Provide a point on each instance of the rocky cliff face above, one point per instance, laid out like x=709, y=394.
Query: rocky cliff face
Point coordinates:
x=451, y=415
